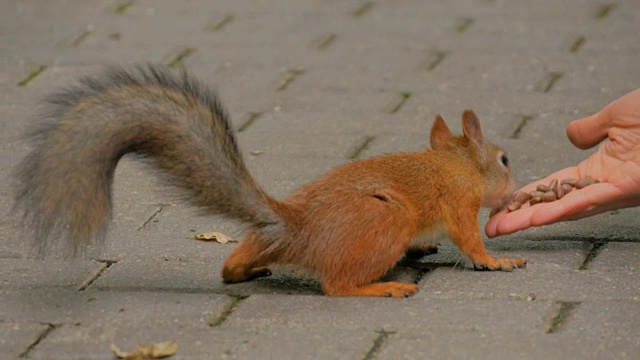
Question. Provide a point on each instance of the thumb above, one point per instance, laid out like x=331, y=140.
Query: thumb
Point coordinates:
x=590, y=131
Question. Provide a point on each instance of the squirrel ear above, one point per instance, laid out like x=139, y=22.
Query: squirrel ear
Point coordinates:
x=440, y=134
x=471, y=125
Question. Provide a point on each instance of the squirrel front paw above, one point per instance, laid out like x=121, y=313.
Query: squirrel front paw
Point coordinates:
x=502, y=264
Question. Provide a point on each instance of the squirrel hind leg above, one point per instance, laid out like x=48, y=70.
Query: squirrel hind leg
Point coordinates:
x=381, y=289
x=366, y=252
x=247, y=261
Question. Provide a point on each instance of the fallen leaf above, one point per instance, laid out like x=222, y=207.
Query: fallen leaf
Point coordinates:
x=214, y=236
x=121, y=354
x=154, y=351
x=163, y=349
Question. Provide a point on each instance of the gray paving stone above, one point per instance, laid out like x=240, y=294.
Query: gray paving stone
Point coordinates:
x=419, y=344
x=59, y=306
x=605, y=320
x=50, y=305
x=129, y=318
x=544, y=282
x=199, y=276
x=624, y=257
x=198, y=341
x=445, y=315
x=29, y=273
x=15, y=338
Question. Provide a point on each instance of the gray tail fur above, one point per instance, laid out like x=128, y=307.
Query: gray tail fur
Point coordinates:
x=64, y=184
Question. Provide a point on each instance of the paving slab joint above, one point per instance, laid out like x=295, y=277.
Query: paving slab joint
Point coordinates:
x=464, y=24
x=122, y=7
x=577, y=44
x=549, y=80
x=97, y=274
x=434, y=60
x=290, y=76
x=25, y=352
x=559, y=320
x=595, y=249
x=222, y=23
x=32, y=75
x=603, y=11
x=181, y=56
x=524, y=120
x=251, y=118
x=378, y=342
x=153, y=216
x=326, y=41
x=399, y=101
x=364, y=145
x=363, y=9
x=229, y=309
x=82, y=37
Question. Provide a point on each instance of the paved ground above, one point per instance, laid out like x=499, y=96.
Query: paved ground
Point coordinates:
x=308, y=83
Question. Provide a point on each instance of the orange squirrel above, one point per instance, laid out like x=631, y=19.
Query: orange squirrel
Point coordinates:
x=348, y=227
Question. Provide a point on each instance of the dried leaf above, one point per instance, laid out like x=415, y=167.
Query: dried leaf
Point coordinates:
x=214, y=236
x=163, y=349
x=121, y=354
x=154, y=351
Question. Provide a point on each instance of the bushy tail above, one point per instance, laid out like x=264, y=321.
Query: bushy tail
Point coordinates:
x=64, y=184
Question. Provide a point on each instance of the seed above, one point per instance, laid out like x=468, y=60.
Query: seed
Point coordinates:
x=535, y=200
x=549, y=196
x=514, y=206
x=543, y=188
x=536, y=193
x=585, y=181
x=521, y=197
x=554, y=191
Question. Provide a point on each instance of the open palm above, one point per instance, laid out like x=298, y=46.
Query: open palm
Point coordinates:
x=616, y=164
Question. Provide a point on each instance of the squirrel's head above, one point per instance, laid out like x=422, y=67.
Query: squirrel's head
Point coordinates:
x=491, y=161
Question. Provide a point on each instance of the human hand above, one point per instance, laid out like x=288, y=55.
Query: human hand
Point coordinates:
x=616, y=164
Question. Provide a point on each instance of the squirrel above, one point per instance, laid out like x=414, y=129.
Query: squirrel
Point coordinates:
x=348, y=227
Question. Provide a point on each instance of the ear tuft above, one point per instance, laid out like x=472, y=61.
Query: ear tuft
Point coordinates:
x=440, y=134
x=471, y=126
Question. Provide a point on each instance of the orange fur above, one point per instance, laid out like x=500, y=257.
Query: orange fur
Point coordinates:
x=353, y=224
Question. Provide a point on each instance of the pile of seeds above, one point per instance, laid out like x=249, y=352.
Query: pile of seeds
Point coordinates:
x=549, y=193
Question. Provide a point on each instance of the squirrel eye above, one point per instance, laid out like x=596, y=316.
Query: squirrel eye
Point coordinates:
x=504, y=160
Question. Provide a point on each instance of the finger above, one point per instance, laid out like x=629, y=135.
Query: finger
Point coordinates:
x=590, y=131
x=494, y=218
x=506, y=223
